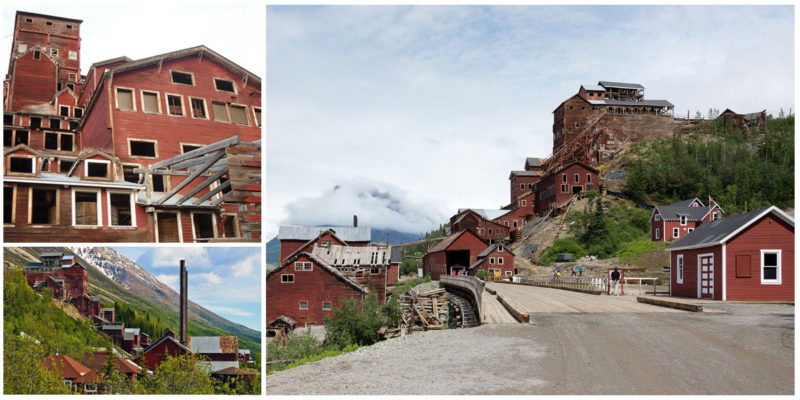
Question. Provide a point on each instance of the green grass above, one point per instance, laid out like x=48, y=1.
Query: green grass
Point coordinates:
x=316, y=357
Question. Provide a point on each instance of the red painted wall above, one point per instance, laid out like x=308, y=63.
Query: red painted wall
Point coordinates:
x=393, y=275
x=154, y=356
x=313, y=286
x=507, y=265
x=689, y=286
x=33, y=81
x=549, y=190
x=435, y=263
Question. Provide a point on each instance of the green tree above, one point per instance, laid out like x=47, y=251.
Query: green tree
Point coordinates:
x=354, y=323
x=23, y=370
x=179, y=375
x=110, y=379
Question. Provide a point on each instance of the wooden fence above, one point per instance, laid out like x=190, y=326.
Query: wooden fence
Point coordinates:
x=564, y=282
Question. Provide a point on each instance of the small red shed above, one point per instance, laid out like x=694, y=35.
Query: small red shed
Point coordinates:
x=453, y=254
x=677, y=220
x=744, y=257
x=497, y=259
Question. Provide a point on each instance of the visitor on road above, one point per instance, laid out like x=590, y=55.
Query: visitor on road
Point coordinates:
x=580, y=270
x=573, y=271
x=615, y=282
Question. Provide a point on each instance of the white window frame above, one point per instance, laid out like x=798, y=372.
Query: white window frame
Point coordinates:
x=499, y=260
x=191, y=75
x=689, y=230
x=300, y=305
x=282, y=275
x=683, y=219
x=29, y=157
x=58, y=140
x=657, y=217
x=256, y=118
x=133, y=208
x=329, y=305
x=116, y=98
x=72, y=55
x=679, y=269
x=60, y=107
x=57, y=219
x=155, y=147
x=588, y=178
x=779, y=267
x=183, y=105
x=303, y=266
x=715, y=216
x=23, y=47
x=13, y=205
x=213, y=224
x=99, y=208
x=86, y=168
x=180, y=225
x=142, y=92
x=53, y=52
x=233, y=83
x=676, y=232
x=205, y=107
x=491, y=260
x=524, y=203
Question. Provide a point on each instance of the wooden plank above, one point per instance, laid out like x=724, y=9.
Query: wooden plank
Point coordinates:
x=201, y=186
x=188, y=180
x=671, y=304
x=212, y=192
x=231, y=141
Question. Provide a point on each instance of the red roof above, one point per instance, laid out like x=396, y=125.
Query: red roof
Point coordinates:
x=98, y=358
x=65, y=366
x=233, y=371
x=444, y=244
x=90, y=377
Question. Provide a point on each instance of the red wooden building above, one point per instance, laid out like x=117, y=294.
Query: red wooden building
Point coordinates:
x=744, y=257
x=496, y=259
x=68, y=283
x=557, y=187
x=155, y=353
x=162, y=149
x=306, y=288
x=522, y=183
x=394, y=268
x=80, y=378
x=453, y=255
x=367, y=266
x=677, y=220
x=518, y=213
x=295, y=239
x=481, y=222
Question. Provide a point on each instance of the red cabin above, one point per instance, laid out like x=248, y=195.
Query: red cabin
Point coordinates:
x=155, y=353
x=744, y=257
x=453, y=255
x=481, y=222
x=677, y=220
x=496, y=259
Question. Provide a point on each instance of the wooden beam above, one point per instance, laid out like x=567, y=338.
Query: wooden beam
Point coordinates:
x=201, y=186
x=221, y=163
x=189, y=179
x=212, y=192
x=161, y=172
x=192, y=162
x=233, y=140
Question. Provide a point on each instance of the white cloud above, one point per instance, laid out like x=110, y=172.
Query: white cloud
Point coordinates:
x=230, y=310
x=205, y=279
x=245, y=268
x=196, y=257
x=169, y=280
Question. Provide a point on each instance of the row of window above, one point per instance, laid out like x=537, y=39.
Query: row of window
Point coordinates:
x=499, y=260
x=60, y=141
x=53, y=122
x=151, y=104
x=577, y=178
x=37, y=54
x=48, y=23
x=187, y=78
x=770, y=267
x=565, y=188
x=675, y=232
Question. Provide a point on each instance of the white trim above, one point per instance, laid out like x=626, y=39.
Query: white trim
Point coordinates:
x=205, y=107
x=62, y=183
x=183, y=104
x=99, y=202
x=683, y=219
x=213, y=224
x=133, y=208
x=724, y=274
x=142, y=92
x=116, y=98
x=676, y=233
x=680, y=269
x=658, y=233
x=155, y=147
x=233, y=84
x=778, y=213
x=191, y=75
x=779, y=279
x=86, y=168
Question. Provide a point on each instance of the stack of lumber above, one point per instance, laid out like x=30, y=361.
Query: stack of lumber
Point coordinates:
x=420, y=312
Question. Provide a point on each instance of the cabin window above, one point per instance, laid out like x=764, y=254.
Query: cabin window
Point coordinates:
x=564, y=178
x=49, y=23
x=304, y=305
x=564, y=188
x=13, y=137
x=224, y=85
x=97, y=169
x=150, y=103
x=183, y=78
x=326, y=305
x=257, y=112
x=658, y=233
x=679, y=268
x=770, y=267
x=491, y=260
x=500, y=260
x=577, y=178
x=71, y=86
x=121, y=206
x=203, y=226
x=22, y=165
x=36, y=122
x=690, y=230
x=37, y=55
x=743, y=266
x=524, y=203
x=683, y=220
x=675, y=233
x=522, y=186
x=220, y=112
x=374, y=271
x=128, y=175
x=9, y=195
x=73, y=77
x=303, y=266
x=505, y=223
x=78, y=112
x=58, y=141
x=65, y=165
x=125, y=100
x=715, y=216
x=515, y=224
x=28, y=20
x=589, y=178
x=198, y=108
x=167, y=228
x=85, y=211
x=63, y=111
x=229, y=226
x=43, y=206
x=73, y=55
x=175, y=105
x=239, y=115
x=142, y=148
x=287, y=278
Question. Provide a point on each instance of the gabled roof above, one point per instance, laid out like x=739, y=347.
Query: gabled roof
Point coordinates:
x=674, y=213
x=23, y=147
x=98, y=358
x=620, y=85
x=722, y=230
x=567, y=165
x=686, y=203
x=485, y=253
x=321, y=263
x=444, y=244
x=287, y=320
x=487, y=214
x=533, y=161
x=476, y=264
x=65, y=366
x=162, y=339
x=329, y=231
x=594, y=88
x=654, y=103
x=524, y=173
x=344, y=233
x=90, y=155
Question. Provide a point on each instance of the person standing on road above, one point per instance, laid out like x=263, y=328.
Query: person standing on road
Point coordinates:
x=615, y=281
x=573, y=271
x=580, y=270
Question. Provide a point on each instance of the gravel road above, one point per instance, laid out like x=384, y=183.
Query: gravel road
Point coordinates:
x=749, y=350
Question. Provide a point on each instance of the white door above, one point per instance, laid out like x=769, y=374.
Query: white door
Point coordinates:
x=705, y=276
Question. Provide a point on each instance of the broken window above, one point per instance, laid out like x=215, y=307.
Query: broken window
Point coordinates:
x=125, y=99
x=51, y=141
x=65, y=165
x=183, y=78
x=36, y=122
x=85, y=208
x=129, y=175
x=96, y=169
x=158, y=183
x=167, y=228
x=8, y=204
x=55, y=123
x=71, y=86
x=203, y=226
x=21, y=164
x=185, y=148
x=198, y=107
x=220, y=112
x=63, y=111
x=224, y=85
x=78, y=112
x=43, y=206
x=239, y=115
x=8, y=137
x=150, y=102
x=257, y=112
x=121, y=214
x=143, y=148
x=229, y=226
x=20, y=137
x=174, y=104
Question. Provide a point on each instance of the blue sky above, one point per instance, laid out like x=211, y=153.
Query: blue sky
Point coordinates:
x=433, y=106
x=225, y=280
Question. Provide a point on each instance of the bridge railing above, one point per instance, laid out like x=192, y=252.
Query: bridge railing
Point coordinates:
x=563, y=282
x=471, y=283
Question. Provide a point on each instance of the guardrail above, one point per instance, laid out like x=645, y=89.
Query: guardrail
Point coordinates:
x=469, y=283
x=585, y=283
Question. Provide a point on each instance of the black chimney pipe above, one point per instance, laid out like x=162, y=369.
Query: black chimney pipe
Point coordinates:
x=183, y=302
x=355, y=221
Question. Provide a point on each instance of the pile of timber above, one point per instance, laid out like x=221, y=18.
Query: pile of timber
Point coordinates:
x=420, y=312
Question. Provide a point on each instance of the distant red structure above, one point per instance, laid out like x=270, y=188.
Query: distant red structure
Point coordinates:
x=453, y=255
x=168, y=344
x=295, y=239
x=67, y=282
x=482, y=223
x=562, y=183
x=497, y=259
x=677, y=220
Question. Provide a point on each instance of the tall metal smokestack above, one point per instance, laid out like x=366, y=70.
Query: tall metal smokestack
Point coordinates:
x=355, y=221
x=183, y=302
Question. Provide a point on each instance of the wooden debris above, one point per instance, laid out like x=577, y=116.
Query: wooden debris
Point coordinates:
x=420, y=312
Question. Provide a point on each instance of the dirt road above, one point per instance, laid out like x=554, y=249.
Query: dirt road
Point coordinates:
x=749, y=350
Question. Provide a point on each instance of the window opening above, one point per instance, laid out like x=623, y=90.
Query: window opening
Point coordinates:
x=85, y=208
x=43, y=206
x=198, y=108
x=20, y=164
x=203, y=226
x=224, y=85
x=96, y=169
x=182, y=78
x=142, y=148
x=174, y=105
x=120, y=209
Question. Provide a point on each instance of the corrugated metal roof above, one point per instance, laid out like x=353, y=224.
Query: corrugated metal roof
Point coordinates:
x=130, y=333
x=397, y=255
x=205, y=344
x=347, y=255
x=346, y=233
x=685, y=203
x=51, y=178
x=594, y=88
x=620, y=85
x=489, y=250
x=673, y=213
x=653, y=103
x=533, y=161
x=525, y=173
x=714, y=233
